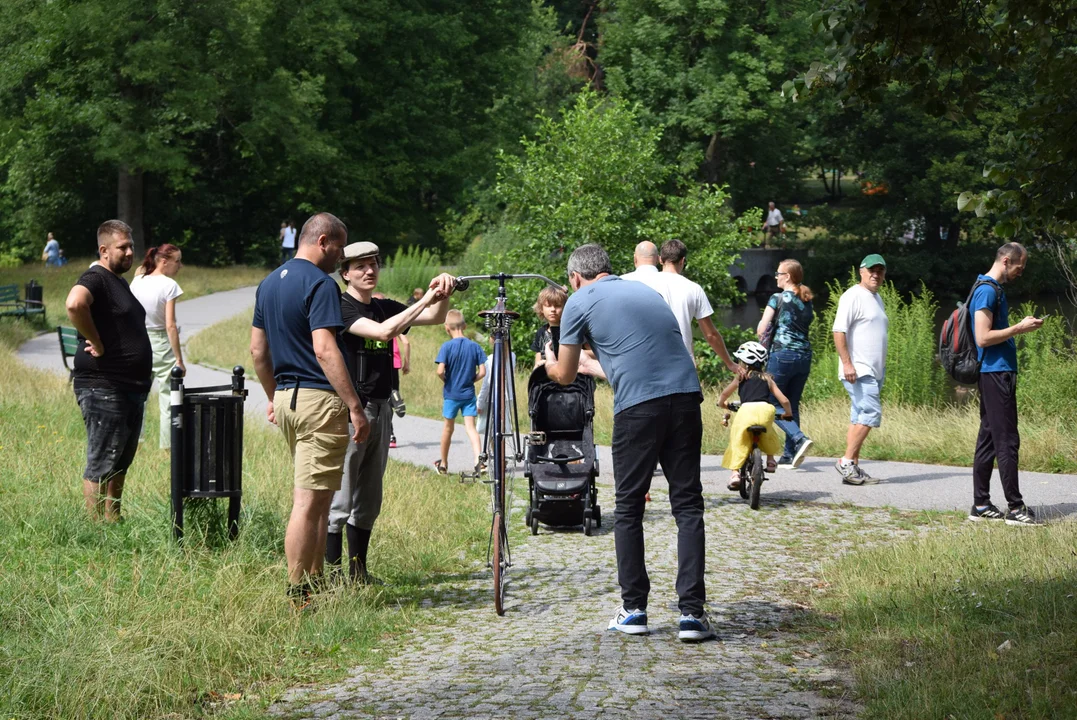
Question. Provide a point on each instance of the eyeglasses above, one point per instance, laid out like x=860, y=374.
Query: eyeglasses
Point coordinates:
x=779, y=274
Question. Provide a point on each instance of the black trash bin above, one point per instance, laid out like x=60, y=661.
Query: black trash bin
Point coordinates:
x=35, y=294
x=207, y=446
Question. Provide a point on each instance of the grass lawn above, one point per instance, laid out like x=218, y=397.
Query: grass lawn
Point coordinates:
x=979, y=621
x=102, y=621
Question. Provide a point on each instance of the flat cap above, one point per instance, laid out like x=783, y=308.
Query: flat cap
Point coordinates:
x=356, y=250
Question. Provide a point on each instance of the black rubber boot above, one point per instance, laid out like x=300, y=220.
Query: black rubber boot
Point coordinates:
x=334, y=552
x=358, y=544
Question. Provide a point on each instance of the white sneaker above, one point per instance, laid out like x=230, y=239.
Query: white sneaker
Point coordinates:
x=630, y=622
x=695, y=628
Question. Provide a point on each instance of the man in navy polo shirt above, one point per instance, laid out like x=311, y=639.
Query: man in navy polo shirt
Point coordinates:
x=300, y=363
x=656, y=397
x=998, y=438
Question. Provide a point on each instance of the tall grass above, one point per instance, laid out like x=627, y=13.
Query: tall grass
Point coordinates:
x=409, y=268
x=913, y=376
x=102, y=621
x=976, y=622
x=931, y=432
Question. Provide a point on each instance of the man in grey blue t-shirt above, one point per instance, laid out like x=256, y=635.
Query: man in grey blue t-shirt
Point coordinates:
x=998, y=439
x=656, y=398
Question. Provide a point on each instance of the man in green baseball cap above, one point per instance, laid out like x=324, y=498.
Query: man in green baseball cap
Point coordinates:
x=873, y=260
x=860, y=336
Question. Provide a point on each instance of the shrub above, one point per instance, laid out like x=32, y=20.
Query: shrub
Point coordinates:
x=408, y=269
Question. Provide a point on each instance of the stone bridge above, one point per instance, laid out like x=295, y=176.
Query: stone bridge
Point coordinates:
x=754, y=272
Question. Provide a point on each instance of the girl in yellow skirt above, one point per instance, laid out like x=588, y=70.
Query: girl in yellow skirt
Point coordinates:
x=755, y=391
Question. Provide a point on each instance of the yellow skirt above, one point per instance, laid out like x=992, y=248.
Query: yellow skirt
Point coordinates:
x=740, y=440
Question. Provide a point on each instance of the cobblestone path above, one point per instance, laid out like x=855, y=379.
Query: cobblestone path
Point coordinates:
x=551, y=656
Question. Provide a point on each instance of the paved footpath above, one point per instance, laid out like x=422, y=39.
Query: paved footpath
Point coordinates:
x=550, y=656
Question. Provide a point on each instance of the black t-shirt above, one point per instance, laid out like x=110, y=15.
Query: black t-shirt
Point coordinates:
x=754, y=388
x=546, y=334
x=120, y=320
x=370, y=362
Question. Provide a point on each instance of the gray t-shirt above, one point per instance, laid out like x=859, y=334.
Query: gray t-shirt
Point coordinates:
x=635, y=337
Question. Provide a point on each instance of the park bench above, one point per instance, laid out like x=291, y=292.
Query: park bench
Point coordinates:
x=69, y=343
x=12, y=305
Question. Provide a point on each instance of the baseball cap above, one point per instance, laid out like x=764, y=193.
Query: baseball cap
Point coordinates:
x=868, y=262
x=357, y=250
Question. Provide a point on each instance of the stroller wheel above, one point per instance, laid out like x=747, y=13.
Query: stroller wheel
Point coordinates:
x=598, y=516
x=534, y=525
x=587, y=524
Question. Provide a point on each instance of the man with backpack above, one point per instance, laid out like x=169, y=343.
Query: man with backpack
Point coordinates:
x=998, y=439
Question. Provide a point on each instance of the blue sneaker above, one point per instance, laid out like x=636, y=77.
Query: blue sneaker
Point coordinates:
x=695, y=628
x=631, y=622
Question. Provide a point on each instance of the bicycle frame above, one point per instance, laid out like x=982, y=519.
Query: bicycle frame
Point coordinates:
x=499, y=321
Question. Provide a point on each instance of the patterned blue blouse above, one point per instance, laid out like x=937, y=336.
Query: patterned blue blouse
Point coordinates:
x=793, y=322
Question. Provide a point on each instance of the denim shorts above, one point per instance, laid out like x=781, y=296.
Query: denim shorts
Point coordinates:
x=867, y=407
x=113, y=421
x=450, y=408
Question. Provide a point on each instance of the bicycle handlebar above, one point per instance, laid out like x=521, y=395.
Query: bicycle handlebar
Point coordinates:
x=463, y=282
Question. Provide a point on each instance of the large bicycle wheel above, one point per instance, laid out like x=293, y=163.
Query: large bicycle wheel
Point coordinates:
x=499, y=558
x=756, y=479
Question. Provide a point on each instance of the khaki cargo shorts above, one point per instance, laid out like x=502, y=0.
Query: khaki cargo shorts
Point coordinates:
x=317, y=435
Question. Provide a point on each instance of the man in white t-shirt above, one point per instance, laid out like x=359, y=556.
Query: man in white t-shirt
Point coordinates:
x=686, y=299
x=860, y=335
x=775, y=224
x=287, y=242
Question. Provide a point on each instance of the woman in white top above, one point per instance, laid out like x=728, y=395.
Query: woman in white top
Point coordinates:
x=157, y=291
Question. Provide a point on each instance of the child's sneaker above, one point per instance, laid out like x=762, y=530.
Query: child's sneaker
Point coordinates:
x=630, y=622
x=392, y=441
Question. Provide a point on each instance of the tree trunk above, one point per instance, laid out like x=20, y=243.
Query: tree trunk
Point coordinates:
x=712, y=172
x=129, y=207
x=826, y=184
x=837, y=182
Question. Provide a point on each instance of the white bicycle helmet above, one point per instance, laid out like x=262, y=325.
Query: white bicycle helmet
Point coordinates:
x=752, y=353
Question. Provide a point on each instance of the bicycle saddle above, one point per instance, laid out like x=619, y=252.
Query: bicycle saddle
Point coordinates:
x=757, y=429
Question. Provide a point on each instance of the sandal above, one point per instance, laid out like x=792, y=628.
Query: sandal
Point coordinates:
x=441, y=469
x=734, y=482
x=772, y=465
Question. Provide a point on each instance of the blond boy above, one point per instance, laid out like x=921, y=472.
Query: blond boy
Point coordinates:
x=461, y=362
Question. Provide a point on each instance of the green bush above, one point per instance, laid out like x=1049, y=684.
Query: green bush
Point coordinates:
x=596, y=175
x=712, y=371
x=409, y=268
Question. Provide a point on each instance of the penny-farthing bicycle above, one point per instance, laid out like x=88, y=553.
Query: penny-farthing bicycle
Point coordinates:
x=502, y=427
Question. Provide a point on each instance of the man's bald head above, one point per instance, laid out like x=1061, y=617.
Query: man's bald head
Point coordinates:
x=646, y=253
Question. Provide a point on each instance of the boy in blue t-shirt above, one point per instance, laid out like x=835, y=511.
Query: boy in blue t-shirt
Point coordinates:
x=461, y=362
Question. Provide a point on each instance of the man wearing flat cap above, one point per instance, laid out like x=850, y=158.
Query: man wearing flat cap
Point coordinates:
x=294, y=344
x=860, y=336
x=370, y=324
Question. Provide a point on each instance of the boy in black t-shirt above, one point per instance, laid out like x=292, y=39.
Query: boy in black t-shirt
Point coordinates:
x=549, y=306
x=370, y=324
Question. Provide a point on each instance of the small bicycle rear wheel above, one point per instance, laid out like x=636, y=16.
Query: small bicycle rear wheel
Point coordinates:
x=499, y=561
x=756, y=479
x=745, y=478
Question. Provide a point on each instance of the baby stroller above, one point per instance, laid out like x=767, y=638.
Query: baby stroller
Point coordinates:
x=562, y=463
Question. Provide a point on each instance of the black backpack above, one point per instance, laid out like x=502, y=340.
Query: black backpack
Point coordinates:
x=957, y=348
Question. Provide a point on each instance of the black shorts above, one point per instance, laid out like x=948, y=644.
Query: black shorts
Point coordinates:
x=113, y=421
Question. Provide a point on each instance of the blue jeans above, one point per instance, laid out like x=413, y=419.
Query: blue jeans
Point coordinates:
x=790, y=369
